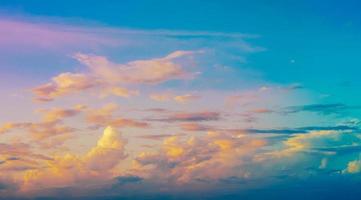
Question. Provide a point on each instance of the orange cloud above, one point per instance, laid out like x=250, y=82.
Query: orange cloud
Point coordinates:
x=213, y=156
x=104, y=117
x=179, y=99
x=186, y=98
x=107, y=76
x=56, y=114
x=39, y=130
x=120, y=92
x=17, y=157
x=50, y=128
x=63, y=84
x=10, y=126
x=353, y=167
x=140, y=71
x=68, y=170
x=194, y=127
x=161, y=97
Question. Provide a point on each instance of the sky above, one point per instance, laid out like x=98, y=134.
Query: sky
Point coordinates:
x=180, y=99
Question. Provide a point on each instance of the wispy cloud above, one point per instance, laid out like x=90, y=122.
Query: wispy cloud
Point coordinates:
x=27, y=34
x=106, y=76
x=324, y=109
x=190, y=117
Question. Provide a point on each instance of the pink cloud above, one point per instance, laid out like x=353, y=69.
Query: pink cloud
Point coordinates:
x=152, y=71
x=45, y=35
x=191, y=117
x=106, y=75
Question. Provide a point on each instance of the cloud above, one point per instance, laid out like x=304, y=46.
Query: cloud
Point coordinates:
x=219, y=154
x=39, y=130
x=71, y=83
x=63, y=84
x=140, y=71
x=324, y=109
x=68, y=170
x=105, y=117
x=108, y=151
x=50, y=131
x=274, y=131
x=14, y=150
x=191, y=117
x=321, y=142
x=158, y=136
x=101, y=115
x=45, y=130
x=305, y=129
x=261, y=110
x=17, y=157
x=119, y=91
x=186, y=98
x=163, y=97
x=121, y=122
x=59, y=114
x=250, y=96
x=195, y=127
x=353, y=167
x=213, y=156
x=6, y=127
x=107, y=76
x=45, y=35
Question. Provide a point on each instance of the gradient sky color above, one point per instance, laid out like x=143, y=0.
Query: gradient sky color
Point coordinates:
x=180, y=99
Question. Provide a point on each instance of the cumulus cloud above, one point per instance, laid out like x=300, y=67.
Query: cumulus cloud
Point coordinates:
x=108, y=151
x=332, y=148
x=213, y=156
x=321, y=142
x=93, y=167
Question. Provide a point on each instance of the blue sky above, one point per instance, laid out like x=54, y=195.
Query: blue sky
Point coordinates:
x=234, y=99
